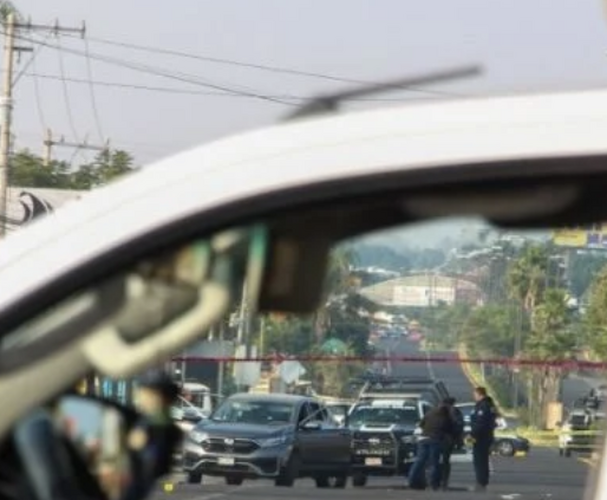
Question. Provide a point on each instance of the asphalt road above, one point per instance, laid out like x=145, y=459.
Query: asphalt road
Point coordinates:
x=540, y=475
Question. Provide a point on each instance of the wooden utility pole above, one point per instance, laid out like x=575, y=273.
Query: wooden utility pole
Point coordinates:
x=6, y=111
x=6, y=100
x=49, y=143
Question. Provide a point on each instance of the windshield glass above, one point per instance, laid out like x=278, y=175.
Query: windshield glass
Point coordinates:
x=369, y=416
x=254, y=412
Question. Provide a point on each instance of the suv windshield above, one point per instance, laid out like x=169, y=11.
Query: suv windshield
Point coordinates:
x=399, y=416
x=255, y=412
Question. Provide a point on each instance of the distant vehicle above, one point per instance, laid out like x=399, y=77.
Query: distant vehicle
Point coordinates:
x=506, y=445
x=576, y=434
x=407, y=388
x=384, y=439
x=278, y=436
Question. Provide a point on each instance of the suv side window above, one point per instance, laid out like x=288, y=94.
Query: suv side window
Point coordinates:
x=317, y=413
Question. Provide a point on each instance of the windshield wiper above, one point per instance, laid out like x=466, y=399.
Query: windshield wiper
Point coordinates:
x=330, y=103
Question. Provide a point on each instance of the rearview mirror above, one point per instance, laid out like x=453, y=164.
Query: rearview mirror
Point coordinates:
x=174, y=299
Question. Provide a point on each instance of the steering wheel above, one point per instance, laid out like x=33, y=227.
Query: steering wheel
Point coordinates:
x=52, y=467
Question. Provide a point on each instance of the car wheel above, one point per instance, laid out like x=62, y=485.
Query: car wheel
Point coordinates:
x=322, y=481
x=194, y=477
x=359, y=480
x=505, y=448
x=234, y=480
x=339, y=481
x=289, y=473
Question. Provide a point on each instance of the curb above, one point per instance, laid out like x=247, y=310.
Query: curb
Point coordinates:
x=462, y=353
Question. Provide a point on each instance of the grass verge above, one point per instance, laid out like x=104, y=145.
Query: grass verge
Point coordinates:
x=475, y=378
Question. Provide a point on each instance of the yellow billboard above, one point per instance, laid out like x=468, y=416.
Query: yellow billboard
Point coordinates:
x=589, y=236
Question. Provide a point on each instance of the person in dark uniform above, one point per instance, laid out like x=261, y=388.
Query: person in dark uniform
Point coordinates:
x=454, y=440
x=435, y=426
x=483, y=423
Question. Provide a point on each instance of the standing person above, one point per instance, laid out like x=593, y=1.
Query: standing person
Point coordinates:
x=454, y=440
x=435, y=427
x=482, y=422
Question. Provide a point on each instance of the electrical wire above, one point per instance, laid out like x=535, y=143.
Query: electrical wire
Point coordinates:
x=176, y=90
x=37, y=96
x=262, y=67
x=89, y=70
x=66, y=96
x=151, y=70
x=30, y=62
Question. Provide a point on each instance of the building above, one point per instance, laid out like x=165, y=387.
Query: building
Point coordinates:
x=424, y=290
x=26, y=204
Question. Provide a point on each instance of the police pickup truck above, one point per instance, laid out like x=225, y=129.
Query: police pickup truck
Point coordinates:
x=384, y=437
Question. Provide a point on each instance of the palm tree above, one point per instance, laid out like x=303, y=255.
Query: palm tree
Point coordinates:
x=338, y=282
x=527, y=276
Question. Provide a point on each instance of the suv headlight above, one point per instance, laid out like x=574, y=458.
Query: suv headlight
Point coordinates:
x=198, y=436
x=273, y=441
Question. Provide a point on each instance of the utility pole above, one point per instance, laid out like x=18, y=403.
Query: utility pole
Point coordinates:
x=6, y=101
x=49, y=143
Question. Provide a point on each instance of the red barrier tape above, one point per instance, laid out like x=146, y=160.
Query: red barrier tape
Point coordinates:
x=522, y=363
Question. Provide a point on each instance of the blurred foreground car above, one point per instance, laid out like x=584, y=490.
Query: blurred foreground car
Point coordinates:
x=137, y=271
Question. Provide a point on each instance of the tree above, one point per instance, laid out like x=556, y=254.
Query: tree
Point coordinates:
x=107, y=166
x=489, y=331
x=596, y=315
x=551, y=339
x=28, y=170
x=583, y=267
x=528, y=275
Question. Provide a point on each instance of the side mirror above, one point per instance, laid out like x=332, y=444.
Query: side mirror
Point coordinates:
x=113, y=443
x=311, y=425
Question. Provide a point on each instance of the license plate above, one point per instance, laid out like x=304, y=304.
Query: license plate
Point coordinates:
x=225, y=461
x=373, y=461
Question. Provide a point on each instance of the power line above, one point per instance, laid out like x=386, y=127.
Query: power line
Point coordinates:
x=262, y=67
x=176, y=90
x=37, y=96
x=66, y=96
x=151, y=70
x=89, y=71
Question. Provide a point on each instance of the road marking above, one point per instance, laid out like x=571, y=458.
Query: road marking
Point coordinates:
x=587, y=461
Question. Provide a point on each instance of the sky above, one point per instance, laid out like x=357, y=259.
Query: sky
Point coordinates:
x=523, y=45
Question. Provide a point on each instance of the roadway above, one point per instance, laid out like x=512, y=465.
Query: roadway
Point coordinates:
x=540, y=475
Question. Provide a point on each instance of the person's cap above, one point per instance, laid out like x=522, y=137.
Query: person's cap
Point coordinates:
x=160, y=381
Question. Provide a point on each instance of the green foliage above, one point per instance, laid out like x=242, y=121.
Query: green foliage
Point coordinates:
x=583, y=268
x=400, y=261
x=27, y=170
x=596, y=315
x=490, y=330
x=292, y=335
x=443, y=324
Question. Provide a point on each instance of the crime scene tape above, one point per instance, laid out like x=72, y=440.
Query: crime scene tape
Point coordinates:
x=522, y=363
